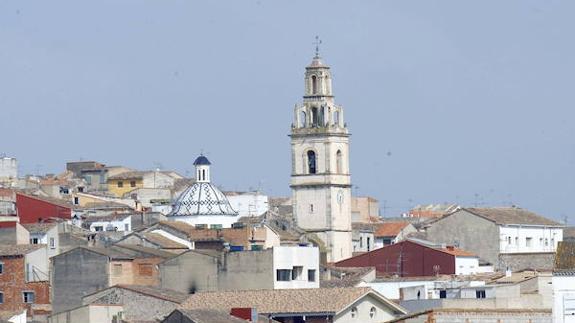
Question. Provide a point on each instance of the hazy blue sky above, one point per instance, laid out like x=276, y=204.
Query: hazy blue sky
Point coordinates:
x=447, y=101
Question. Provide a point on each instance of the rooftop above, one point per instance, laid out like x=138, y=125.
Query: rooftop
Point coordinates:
x=39, y=227
x=512, y=215
x=209, y=316
x=311, y=300
x=19, y=250
x=165, y=294
x=390, y=229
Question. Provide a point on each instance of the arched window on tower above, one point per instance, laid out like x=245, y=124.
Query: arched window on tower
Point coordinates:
x=203, y=174
x=311, y=162
x=336, y=118
x=313, y=84
x=314, y=117
x=338, y=161
x=302, y=119
x=321, y=116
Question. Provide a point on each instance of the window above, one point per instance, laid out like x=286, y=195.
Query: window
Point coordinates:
x=314, y=117
x=528, y=241
x=216, y=226
x=311, y=208
x=1, y=267
x=517, y=241
x=283, y=275
x=509, y=240
x=480, y=293
x=98, y=228
x=296, y=273
x=361, y=242
x=368, y=243
x=353, y=312
x=336, y=118
x=203, y=174
x=132, y=183
x=302, y=119
x=313, y=84
x=311, y=275
x=117, y=269
x=76, y=200
x=311, y=162
x=338, y=158
x=546, y=242
x=443, y=294
x=120, y=184
x=1, y=298
x=52, y=243
x=372, y=312
x=145, y=269
x=126, y=227
x=28, y=297
x=81, y=189
x=34, y=241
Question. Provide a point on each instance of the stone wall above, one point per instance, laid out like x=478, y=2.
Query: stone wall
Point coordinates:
x=520, y=261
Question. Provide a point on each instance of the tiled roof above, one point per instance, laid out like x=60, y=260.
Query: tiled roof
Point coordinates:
x=107, y=218
x=390, y=229
x=209, y=316
x=141, y=251
x=565, y=256
x=162, y=241
x=512, y=215
x=39, y=227
x=457, y=252
x=165, y=294
x=19, y=249
x=129, y=175
x=311, y=300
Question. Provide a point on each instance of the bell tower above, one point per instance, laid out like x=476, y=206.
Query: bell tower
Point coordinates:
x=320, y=179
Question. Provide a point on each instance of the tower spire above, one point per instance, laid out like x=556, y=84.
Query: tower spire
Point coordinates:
x=317, y=43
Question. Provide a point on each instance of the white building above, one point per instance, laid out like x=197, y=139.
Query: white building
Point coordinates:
x=320, y=179
x=203, y=204
x=45, y=234
x=248, y=203
x=113, y=222
x=8, y=171
x=296, y=267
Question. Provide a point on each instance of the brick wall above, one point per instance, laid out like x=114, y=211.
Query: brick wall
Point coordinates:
x=13, y=283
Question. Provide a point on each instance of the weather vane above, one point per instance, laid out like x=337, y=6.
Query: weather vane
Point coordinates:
x=317, y=43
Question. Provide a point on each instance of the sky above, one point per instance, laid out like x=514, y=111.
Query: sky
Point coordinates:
x=447, y=101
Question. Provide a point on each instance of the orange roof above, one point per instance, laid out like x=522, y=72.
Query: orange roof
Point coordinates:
x=389, y=229
x=457, y=252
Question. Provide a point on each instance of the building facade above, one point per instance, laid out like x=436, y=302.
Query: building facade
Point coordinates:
x=507, y=237
x=320, y=180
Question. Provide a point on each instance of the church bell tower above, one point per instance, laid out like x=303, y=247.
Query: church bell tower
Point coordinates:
x=320, y=179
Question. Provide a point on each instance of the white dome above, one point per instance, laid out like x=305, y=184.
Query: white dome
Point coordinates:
x=202, y=198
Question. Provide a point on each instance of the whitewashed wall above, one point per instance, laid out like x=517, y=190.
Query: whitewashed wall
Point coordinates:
x=287, y=257
x=513, y=239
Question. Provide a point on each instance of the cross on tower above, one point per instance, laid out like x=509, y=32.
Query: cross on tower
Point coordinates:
x=317, y=43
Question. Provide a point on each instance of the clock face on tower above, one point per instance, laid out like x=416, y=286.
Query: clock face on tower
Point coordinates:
x=340, y=197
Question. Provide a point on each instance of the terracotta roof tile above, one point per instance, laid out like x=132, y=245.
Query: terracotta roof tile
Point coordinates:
x=389, y=229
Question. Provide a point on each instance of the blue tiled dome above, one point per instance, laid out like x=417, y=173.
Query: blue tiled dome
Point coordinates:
x=202, y=160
